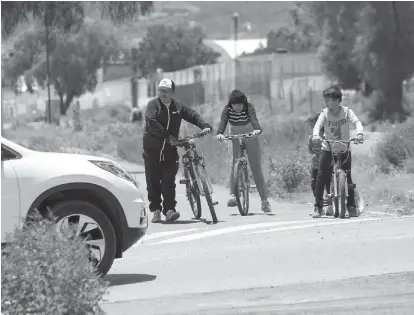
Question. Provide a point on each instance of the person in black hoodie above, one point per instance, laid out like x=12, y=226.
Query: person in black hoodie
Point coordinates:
x=163, y=117
x=242, y=117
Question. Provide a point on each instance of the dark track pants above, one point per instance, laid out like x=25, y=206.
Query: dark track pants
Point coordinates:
x=325, y=173
x=160, y=177
x=314, y=175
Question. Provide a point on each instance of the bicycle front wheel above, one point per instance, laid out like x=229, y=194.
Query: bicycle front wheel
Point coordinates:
x=342, y=193
x=192, y=191
x=207, y=191
x=241, y=187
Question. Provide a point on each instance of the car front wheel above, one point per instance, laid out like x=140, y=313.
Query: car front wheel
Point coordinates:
x=93, y=226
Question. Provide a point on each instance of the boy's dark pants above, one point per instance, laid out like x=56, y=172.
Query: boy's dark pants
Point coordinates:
x=324, y=176
x=314, y=174
x=160, y=177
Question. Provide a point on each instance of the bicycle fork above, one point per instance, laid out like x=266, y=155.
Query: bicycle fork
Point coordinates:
x=335, y=178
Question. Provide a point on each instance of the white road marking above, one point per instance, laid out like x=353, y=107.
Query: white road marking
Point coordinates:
x=246, y=227
x=162, y=234
x=152, y=236
x=304, y=226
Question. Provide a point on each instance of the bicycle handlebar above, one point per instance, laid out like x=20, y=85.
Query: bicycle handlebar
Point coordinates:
x=184, y=141
x=240, y=136
x=354, y=140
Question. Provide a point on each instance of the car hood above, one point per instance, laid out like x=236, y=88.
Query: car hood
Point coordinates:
x=68, y=156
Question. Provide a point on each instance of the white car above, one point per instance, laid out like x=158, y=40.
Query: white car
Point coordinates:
x=96, y=194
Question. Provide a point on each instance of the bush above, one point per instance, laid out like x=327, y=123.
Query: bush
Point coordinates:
x=398, y=145
x=47, y=272
x=403, y=203
x=409, y=166
x=289, y=173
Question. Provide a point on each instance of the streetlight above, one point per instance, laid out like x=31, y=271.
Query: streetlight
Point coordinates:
x=236, y=25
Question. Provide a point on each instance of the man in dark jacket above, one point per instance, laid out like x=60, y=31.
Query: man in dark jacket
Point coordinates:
x=163, y=117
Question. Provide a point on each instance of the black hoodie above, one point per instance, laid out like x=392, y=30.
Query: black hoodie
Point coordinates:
x=163, y=122
x=246, y=116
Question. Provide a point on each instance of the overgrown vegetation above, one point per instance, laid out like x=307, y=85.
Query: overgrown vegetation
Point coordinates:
x=286, y=162
x=397, y=147
x=47, y=272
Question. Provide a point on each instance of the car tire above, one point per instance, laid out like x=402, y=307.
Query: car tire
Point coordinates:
x=76, y=210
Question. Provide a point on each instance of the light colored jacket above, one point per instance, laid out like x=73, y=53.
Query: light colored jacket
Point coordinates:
x=337, y=126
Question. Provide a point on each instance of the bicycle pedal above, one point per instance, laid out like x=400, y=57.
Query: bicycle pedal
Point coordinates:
x=183, y=181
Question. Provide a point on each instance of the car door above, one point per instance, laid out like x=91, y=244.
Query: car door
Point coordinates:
x=10, y=196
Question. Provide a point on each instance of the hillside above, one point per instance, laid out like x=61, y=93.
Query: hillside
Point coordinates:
x=215, y=17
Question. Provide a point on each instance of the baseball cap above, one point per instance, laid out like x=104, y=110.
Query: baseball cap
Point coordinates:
x=165, y=84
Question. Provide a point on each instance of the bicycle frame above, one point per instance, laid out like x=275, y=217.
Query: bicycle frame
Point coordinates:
x=337, y=164
x=191, y=156
x=242, y=154
x=200, y=179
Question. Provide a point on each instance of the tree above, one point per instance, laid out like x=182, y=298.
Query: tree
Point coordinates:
x=67, y=14
x=74, y=59
x=370, y=42
x=339, y=33
x=173, y=48
x=383, y=52
x=61, y=22
x=299, y=36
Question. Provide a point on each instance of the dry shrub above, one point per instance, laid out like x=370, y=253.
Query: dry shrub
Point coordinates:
x=47, y=272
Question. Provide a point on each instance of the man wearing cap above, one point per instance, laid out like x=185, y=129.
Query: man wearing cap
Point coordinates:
x=163, y=117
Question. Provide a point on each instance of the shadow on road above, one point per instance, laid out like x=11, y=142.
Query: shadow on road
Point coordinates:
x=210, y=222
x=180, y=222
x=252, y=214
x=123, y=279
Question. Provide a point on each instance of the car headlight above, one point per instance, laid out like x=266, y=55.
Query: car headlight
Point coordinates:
x=115, y=169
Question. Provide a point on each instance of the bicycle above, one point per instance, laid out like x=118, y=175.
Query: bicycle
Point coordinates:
x=339, y=183
x=241, y=174
x=195, y=177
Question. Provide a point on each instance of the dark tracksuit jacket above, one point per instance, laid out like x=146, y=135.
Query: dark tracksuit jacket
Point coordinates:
x=161, y=159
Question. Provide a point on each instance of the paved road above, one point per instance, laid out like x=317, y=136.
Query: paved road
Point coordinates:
x=288, y=263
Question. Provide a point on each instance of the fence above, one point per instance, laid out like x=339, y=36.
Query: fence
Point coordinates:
x=281, y=82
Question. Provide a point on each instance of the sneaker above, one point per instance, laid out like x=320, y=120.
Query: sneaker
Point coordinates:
x=266, y=206
x=317, y=212
x=353, y=212
x=329, y=211
x=157, y=216
x=172, y=215
x=232, y=201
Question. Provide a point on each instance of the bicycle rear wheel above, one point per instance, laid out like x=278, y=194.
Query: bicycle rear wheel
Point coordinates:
x=241, y=187
x=342, y=193
x=207, y=191
x=192, y=191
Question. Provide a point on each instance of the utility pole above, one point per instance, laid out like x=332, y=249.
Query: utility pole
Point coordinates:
x=46, y=23
x=236, y=25
x=134, y=79
x=398, y=70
